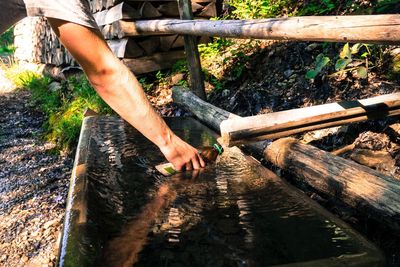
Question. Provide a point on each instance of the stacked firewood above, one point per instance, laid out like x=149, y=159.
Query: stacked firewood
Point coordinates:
x=36, y=42
x=141, y=53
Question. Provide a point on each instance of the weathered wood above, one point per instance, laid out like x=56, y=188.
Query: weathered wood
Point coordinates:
x=379, y=29
x=360, y=187
x=171, y=8
x=280, y=124
x=147, y=10
x=166, y=42
x=209, y=11
x=192, y=53
x=150, y=45
x=125, y=48
x=120, y=11
x=155, y=62
x=207, y=113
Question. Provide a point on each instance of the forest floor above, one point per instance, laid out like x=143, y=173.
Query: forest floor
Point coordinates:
x=267, y=77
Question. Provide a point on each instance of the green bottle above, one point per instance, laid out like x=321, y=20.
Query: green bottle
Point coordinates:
x=208, y=153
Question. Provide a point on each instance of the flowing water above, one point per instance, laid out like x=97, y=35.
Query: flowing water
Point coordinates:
x=232, y=213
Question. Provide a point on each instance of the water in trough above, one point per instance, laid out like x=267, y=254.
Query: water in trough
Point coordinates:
x=233, y=213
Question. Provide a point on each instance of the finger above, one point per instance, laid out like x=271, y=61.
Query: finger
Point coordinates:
x=178, y=168
x=195, y=174
x=202, y=162
x=196, y=163
x=188, y=166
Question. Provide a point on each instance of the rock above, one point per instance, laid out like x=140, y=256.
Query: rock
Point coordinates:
x=54, y=222
x=373, y=141
x=177, y=78
x=311, y=47
x=288, y=73
x=55, y=87
x=24, y=258
x=225, y=93
x=380, y=160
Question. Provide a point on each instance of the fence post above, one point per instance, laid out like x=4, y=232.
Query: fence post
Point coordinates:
x=192, y=52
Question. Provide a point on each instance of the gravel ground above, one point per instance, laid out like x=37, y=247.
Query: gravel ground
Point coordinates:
x=33, y=185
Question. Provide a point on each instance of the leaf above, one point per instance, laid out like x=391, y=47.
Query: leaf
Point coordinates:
x=365, y=54
x=361, y=72
x=311, y=74
x=355, y=48
x=345, y=53
x=342, y=63
x=321, y=62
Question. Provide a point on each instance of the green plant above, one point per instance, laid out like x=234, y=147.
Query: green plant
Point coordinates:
x=255, y=9
x=350, y=60
x=7, y=42
x=320, y=62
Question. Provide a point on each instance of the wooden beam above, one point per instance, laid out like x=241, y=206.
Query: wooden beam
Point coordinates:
x=284, y=123
x=155, y=62
x=379, y=29
x=192, y=53
x=367, y=190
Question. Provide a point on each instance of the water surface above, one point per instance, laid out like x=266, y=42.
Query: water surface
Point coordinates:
x=232, y=213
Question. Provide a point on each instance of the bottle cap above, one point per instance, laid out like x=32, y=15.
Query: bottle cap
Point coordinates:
x=218, y=148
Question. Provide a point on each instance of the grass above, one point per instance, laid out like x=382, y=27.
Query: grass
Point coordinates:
x=7, y=42
x=63, y=105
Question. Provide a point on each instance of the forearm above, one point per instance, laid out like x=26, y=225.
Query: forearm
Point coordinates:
x=124, y=94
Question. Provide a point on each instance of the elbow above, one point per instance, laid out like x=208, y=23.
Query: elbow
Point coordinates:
x=104, y=78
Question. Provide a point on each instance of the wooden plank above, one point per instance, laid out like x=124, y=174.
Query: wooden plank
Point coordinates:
x=192, y=53
x=284, y=123
x=118, y=12
x=209, y=11
x=379, y=29
x=155, y=62
x=147, y=10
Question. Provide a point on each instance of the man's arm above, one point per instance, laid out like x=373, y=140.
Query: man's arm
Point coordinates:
x=119, y=88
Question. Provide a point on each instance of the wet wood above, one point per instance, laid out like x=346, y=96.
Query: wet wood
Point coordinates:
x=280, y=124
x=155, y=62
x=379, y=29
x=192, y=53
x=360, y=187
x=207, y=113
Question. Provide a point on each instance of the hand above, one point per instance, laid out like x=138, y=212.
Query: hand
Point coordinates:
x=182, y=155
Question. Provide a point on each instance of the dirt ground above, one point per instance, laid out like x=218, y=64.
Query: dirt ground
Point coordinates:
x=33, y=184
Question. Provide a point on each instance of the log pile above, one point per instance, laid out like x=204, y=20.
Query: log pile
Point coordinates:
x=36, y=42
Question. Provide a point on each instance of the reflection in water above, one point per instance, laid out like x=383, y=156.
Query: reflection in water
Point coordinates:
x=227, y=214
